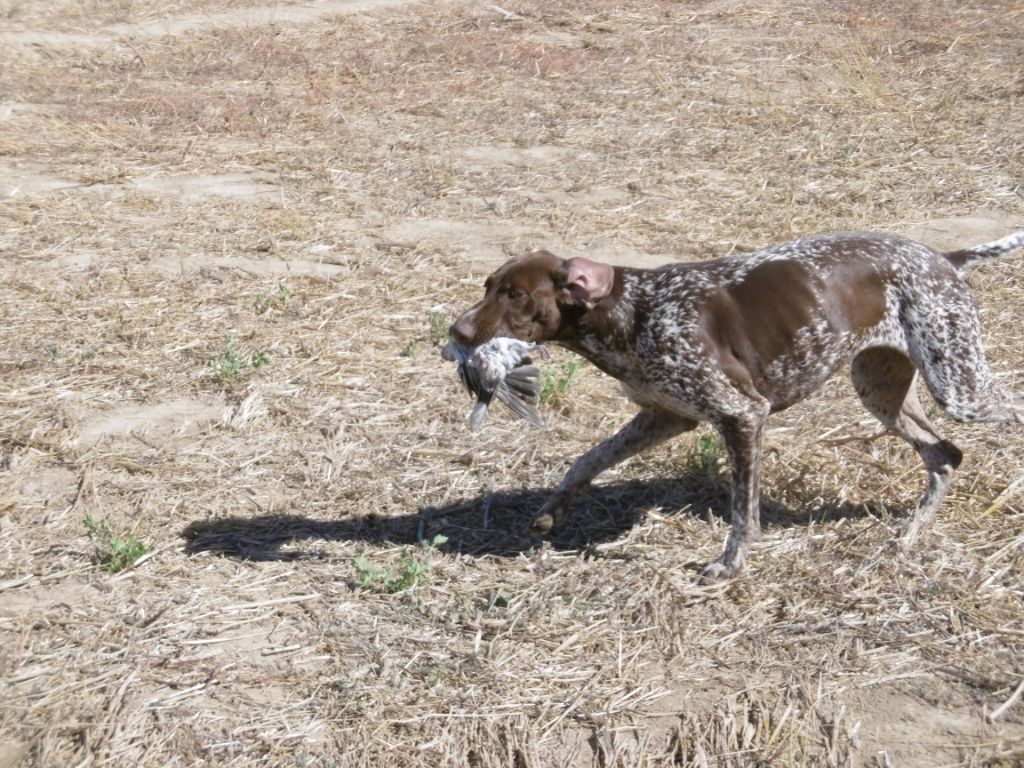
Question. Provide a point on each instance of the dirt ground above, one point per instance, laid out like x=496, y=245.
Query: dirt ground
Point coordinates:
x=231, y=237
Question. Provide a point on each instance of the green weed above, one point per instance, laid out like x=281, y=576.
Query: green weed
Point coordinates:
x=709, y=451
x=115, y=551
x=259, y=359
x=412, y=570
x=437, y=333
x=229, y=365
x=438, y=328
x=556, y=381
x=280, y=297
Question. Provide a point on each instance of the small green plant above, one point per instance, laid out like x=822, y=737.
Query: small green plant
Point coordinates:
x=230, y=365
x=556, y=381
x=259, y=359
x=437, y=333
x=709, y=450
x=115, y=551
x=438, y=328
x=265, y=301
x=411, y=570
x=227, y=365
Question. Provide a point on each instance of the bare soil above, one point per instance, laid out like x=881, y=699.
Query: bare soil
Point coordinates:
x=229, y=235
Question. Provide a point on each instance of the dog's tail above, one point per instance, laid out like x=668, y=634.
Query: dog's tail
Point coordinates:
x=969, y=257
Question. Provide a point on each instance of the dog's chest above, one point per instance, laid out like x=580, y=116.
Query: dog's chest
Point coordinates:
x=651, y=343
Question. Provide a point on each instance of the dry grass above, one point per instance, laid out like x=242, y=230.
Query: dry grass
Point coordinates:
x=378, y=161
x=78, y=15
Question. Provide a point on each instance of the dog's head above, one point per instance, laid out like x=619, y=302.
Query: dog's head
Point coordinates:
x=536, y=297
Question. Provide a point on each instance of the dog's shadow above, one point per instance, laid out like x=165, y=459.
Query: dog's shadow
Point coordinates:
x=494, y=523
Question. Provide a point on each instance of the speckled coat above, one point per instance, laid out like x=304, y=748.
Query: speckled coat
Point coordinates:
x=731, y=340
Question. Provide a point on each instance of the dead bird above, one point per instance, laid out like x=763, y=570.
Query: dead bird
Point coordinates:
x=502, y=367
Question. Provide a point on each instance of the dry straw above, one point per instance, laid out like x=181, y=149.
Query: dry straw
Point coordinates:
x=297, y=202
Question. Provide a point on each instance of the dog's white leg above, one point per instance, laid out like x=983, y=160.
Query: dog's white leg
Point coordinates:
x=644, y=431
x=941, y=458
x=743, y=438
x=884, y=379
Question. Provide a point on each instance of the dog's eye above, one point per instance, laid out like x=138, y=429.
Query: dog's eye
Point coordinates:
x=515, y=293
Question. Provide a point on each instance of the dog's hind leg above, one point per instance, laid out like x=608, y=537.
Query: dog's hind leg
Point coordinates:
x=884, y=380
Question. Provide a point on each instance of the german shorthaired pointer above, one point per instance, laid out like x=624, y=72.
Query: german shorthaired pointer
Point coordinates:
x=732, y=340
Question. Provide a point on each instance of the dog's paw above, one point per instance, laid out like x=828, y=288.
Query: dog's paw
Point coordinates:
x=717, y=573
x=542, y=524
x=550, y=516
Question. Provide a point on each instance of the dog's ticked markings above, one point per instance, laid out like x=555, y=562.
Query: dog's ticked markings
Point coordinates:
x=732, y=340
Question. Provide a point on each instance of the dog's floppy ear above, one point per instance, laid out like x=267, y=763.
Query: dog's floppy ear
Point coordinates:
x=584, y=282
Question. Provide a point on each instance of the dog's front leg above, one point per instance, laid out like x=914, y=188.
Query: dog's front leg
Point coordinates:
x=743, y=437
x=645, y=430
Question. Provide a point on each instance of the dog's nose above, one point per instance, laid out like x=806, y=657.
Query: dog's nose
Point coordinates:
x=462, y=331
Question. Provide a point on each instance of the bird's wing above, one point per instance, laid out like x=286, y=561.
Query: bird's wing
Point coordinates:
x=471, y=380
x=524, y=380
x=520, y=391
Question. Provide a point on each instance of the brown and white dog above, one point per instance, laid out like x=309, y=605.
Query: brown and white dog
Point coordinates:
x=732, y=340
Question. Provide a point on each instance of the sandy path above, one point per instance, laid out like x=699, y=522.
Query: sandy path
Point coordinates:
x=305, y=13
